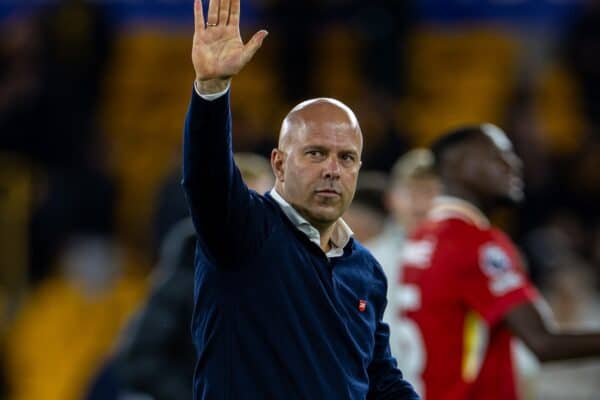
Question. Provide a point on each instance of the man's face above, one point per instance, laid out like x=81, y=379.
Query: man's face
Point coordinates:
x=495, y=170
x=319, y=167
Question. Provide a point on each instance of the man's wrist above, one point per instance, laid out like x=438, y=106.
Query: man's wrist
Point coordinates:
x=212, y=89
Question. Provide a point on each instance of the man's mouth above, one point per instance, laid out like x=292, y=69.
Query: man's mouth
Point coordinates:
x=328, y=193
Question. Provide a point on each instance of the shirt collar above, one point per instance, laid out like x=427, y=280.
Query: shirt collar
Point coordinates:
x=341, y=232
x=445, y=207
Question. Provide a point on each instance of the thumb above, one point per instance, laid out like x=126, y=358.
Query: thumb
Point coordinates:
x=253, y=45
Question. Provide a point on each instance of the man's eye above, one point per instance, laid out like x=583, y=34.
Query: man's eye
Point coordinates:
x=314, y=153
x=348, y=157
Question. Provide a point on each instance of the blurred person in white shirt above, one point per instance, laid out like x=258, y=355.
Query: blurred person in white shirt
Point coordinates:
x=413, y=186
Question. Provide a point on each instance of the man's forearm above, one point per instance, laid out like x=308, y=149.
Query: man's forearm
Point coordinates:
x=564, y=346
x=527, y=322
x=207, y=159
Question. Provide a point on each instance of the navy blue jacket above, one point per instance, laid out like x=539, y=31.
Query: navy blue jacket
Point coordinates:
x=274, y=318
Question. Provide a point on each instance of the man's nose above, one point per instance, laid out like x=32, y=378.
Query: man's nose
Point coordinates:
x=513, y=162
x=332, y=168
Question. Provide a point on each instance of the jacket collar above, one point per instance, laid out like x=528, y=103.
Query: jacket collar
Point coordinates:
x=341, y=232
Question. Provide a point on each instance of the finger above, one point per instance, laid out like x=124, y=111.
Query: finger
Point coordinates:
x=224, y=12
x=213, y=13
x=234, y=13
x=198, y=16
x=253, y=45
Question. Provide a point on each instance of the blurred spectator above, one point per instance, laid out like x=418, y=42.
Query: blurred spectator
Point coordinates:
x=256, y=171
x=171, y=208
x=156, y=357
x=413, y=187
x=367, y=214
x=66, y=326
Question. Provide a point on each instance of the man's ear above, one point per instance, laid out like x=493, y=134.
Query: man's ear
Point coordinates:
x=277, y=164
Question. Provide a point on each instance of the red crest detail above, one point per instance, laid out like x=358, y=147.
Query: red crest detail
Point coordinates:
x=362, y=305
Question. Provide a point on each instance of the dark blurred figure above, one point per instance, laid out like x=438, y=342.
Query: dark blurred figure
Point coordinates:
x=57, y=60
x=171, y=208
x=157, y=357
x=582, y=51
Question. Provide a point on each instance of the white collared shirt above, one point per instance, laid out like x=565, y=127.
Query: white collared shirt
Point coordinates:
x=339, y=238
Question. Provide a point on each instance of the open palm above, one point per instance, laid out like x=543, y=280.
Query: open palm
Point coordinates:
x=218, y=51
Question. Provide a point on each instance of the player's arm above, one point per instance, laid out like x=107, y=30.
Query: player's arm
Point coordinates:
x=218, y=198
x=498, y=289
x=528, y=323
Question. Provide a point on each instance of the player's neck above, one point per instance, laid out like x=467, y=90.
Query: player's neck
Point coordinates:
x=461, y=193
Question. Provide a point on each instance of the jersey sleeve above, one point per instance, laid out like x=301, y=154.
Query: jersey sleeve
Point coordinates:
x=493, y=280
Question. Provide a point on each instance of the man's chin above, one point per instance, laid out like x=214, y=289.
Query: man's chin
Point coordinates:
x=512, y=198
x=325, y=216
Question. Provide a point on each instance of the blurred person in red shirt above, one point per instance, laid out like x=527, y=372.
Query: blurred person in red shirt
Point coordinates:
x=465, y=292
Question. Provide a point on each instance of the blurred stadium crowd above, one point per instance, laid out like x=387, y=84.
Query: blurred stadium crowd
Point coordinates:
x=91, y=113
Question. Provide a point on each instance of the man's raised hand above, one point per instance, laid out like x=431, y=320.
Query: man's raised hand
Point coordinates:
x=218, y=52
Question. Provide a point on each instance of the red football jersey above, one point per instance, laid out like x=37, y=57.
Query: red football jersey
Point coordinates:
x=460, y=278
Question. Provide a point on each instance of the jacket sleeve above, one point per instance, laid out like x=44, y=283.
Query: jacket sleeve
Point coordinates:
x=226, y=214
x=385, y=379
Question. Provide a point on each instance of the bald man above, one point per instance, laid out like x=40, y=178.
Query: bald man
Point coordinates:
x=287, y=304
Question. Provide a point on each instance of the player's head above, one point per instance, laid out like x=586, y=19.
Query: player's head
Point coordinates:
x=479, y=162
x=317, y=160
x=367, y=213
x=255, y=170
x=414, y=186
